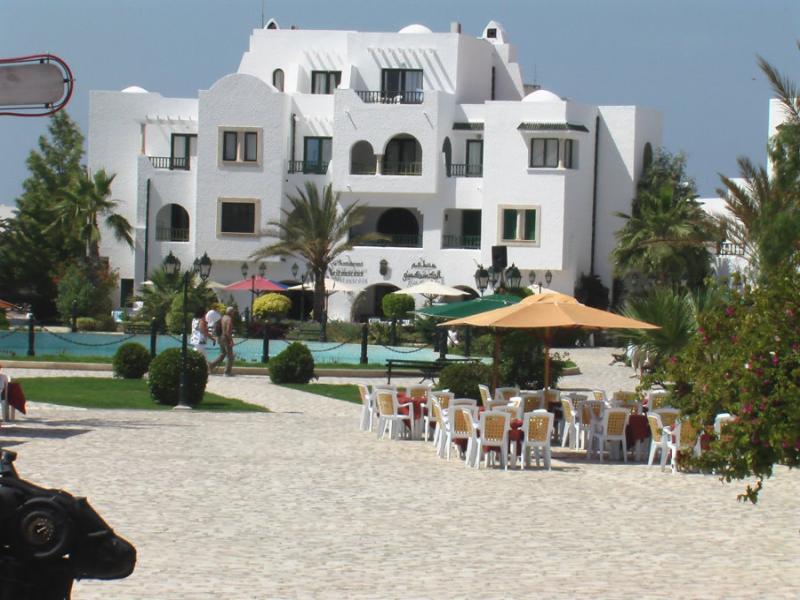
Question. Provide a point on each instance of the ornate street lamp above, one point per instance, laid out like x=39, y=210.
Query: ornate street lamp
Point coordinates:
x=201, y=267
x=244, y=268
x=494, y=276
x=548, y=277
x=481, y=279
x=262, y=269
x=513, y=276
x=295, y=270
x=532, y=277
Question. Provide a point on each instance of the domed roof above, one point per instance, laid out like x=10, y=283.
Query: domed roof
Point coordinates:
x=542, y=96
x=135, y=89
x=415, y=28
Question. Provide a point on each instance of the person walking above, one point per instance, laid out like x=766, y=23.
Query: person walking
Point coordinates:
x=225, y=344
x=213, y=319
x=199, y=332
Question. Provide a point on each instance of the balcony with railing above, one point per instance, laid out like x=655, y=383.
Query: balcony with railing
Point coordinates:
x=390, y=97
x=396, y=240
x=308, y=167
x=465, y=170
x=401, y=168
x=173, y=163
x=172, y=234
x=465, y=242
x=730, y=249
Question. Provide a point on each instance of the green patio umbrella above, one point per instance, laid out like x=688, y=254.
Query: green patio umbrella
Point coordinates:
x=467, y=308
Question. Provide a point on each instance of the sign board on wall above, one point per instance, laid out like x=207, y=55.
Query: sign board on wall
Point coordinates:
x=422, y=270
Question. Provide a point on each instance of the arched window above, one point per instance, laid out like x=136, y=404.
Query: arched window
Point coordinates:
x=403, y=156
x=401, y=227
x=172, y=224
x=447, y=150
x=277, y=79
x=362, y=159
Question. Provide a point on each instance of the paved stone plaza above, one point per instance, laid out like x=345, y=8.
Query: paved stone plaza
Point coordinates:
x=300, y=504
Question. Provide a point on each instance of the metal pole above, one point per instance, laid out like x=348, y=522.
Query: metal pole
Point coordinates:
x=182, y=390
x=153, y=336
x=443, y=344
x=364, y=338
x=31, y=341
x=323, y=327
x=467, y=341
x=74, y=316
x=265, y=344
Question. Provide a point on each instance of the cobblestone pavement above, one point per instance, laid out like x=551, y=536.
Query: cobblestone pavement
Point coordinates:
x=298, y=503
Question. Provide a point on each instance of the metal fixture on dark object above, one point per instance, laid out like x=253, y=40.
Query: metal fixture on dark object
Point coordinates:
x=49, y=538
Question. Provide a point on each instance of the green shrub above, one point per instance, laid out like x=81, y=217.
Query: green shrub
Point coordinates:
x=89, y=286
x=397, y=306
x=87, y=324
x=463, y=379
x=165, y=374
x=294, y=365
x=131, y=361
x=522, y=362
x=344, y=331
x=270, y=306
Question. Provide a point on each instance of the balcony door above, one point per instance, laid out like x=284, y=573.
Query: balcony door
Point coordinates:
x=474, y=158
x=317, y=154
x=403, y=84
x=181, y=150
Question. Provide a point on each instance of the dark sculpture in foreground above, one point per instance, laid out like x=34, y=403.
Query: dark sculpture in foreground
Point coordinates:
x=49, y=538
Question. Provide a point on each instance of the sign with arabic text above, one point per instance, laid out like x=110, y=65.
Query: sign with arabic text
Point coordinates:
x=422, y=270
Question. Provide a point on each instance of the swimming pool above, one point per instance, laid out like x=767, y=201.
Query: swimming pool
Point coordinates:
x=105, y=344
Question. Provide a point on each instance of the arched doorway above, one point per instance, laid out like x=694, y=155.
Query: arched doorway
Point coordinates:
x=362, y=159
x=172, y=224
x=400, y=226
x=403, y=156
x=368, y=304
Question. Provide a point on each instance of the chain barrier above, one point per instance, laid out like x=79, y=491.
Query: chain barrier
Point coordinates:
x=336, y=347
x=66, y=339
x=11, y=332
x=404, y=351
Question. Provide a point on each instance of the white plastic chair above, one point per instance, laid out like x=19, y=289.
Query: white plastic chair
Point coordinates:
x=494, y=426
x=504, y=394
x=473, y=442
x=390, y=417
x=657, y=399
x=613, y=430
x=8, y=411
x=590, y=419
x=570, y=429
x=668, y=416
x=444, y=399
x=720, y=421
x=367, y=407
x=486, y=394
x=457, y=429
x=538, y=428
x=682, y=437
x=658, y=440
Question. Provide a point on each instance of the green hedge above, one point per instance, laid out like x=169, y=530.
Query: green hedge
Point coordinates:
x=165, y=374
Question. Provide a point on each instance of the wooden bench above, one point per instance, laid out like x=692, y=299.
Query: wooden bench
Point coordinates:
x=429, y=369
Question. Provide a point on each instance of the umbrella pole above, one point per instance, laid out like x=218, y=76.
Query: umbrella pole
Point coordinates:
x=546, y=358
x=496, y=361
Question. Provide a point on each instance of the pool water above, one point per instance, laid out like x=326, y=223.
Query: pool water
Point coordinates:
x=105, y=344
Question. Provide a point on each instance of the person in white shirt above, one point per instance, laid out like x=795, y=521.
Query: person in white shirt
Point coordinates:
x=212, y=319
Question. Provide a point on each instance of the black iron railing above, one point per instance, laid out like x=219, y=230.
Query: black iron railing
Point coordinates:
x=471, y=242
x=170, y=162
x=363, y=169
x=402, y=168
x=397, y=240
x=391, y=97
x=730, y=249
x=465, y=170
x=172, y=234
x=306, y=166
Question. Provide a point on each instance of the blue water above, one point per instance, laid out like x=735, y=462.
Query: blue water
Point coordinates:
x=106, y=344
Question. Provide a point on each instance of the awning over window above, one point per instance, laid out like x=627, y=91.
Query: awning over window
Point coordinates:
x=469, y=126
x=552, y=127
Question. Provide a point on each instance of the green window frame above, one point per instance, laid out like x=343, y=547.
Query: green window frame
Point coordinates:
x=519, y=224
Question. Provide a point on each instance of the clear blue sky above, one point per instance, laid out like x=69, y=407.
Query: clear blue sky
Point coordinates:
x=694, y=60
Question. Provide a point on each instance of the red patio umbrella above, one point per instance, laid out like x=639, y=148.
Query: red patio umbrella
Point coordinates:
x=257, y=284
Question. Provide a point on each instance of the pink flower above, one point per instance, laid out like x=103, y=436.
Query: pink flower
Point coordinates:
x=729, y=312
x=747, y=408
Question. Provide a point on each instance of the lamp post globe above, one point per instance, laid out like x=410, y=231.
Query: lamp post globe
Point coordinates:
x=244, y=269
x=262, y=269
x=481, y=279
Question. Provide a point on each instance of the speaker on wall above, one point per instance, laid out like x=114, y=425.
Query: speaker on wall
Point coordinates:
x=499, y=257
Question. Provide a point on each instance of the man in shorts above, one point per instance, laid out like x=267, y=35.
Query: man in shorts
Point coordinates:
x=225, y=344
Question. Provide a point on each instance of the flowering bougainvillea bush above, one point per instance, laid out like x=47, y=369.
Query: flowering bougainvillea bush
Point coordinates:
x=745, y=360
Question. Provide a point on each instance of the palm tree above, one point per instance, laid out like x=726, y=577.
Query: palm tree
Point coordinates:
x=157, y=295
x=765, y=210
x=82, y=208
x=316, y=229
x=667, y=235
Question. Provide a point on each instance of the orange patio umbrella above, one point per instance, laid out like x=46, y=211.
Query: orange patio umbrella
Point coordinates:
x=548, y=312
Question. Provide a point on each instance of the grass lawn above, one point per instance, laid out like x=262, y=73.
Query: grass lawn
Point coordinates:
x=340, y=391
x=96, y=392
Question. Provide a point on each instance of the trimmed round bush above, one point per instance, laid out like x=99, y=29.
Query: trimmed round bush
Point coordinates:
x=463, y=378
x=294, y=365
x=131, y=361
x=165, y=376
x=270, y=306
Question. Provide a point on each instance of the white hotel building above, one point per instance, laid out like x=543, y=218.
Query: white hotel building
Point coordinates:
x=435, y=132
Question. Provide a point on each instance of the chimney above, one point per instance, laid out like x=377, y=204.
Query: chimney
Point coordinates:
x=455, y=27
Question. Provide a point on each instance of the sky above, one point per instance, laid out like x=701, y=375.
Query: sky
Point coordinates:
x=693, y=60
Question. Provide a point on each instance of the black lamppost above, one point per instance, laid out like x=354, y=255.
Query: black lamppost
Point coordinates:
x=74, y=316
x=201, y=267
x=501, y=279
x=481, y=279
